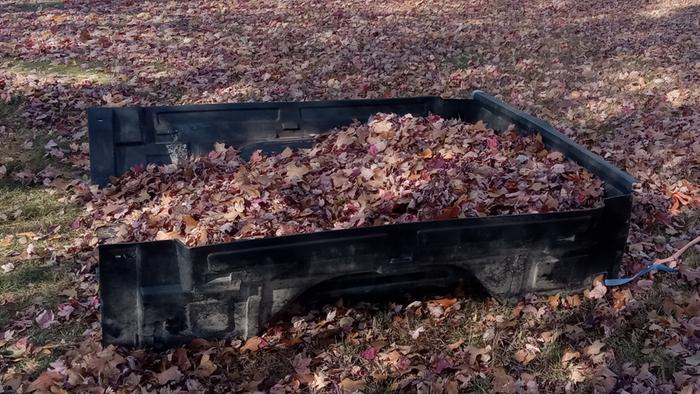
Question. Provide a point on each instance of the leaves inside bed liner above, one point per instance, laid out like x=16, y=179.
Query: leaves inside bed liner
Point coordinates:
x=392, y=169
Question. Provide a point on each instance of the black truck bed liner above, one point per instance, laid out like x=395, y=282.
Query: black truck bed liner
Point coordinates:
x=162, y=292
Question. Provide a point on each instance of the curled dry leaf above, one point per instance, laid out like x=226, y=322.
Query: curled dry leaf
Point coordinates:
x=455, y=345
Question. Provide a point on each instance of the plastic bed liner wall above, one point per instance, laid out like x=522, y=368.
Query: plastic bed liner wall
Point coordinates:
x=162, y=293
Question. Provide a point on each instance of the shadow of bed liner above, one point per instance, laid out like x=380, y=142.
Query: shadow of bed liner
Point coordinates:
x=162, y=293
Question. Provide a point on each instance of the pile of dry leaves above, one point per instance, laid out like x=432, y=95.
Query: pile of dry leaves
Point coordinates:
x=393, y=169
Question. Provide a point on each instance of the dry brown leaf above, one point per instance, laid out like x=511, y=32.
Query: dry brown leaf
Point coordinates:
x=553, y=300
x=169, y=375
x=451, y=387
x=576, y=373
x=568, y=356
x=252, y=344
x=599, y=290
x=45, y=381
x=206, y=366
x=445, y=302
x=296, y=171
x=167, y=235
x=502, y=382
x=350, y=386
x=478, y=354
x=573, y=301
x=594, y=348
x=524, y=356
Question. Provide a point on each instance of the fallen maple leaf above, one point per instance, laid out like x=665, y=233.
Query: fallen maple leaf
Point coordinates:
x=599, y=290
x=445, y=302
x=294, y=171
x=576, y=373
x=169, y=375
x=594, y=351
x=478, y=354
x=440, y=364
x=301, y=364
x=369, y=354
x=253, y=344
x=45, y=381
x=524, y=356
x=502, y=382
x=206, y=366
x=568, y=356
x=45, y=319
x=553, y=300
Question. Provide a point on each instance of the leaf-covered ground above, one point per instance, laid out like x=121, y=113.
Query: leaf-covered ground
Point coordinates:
x=622, y=78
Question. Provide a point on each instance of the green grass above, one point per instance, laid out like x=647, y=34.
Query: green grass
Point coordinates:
x=31, y=215
x=630, y=349
x=32, y=283
x=32, y=6
x=548, y=365
x=27, y=211
x=32, y=209
x=15, y=156
x=479, y=385
x=383, y=387
x=75, y=71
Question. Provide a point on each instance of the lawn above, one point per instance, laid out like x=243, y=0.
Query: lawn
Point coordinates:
x=622, y=78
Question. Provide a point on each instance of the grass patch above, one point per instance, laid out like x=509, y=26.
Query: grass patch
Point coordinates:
x=32, y=209
x=548, y=365
x=383, y=387
x=630, y=349
x=16, y=155
x=62, y=334
x=72, y=71
x=479, y=385
x=471, y=54
x=32, y=283
x=32, y=6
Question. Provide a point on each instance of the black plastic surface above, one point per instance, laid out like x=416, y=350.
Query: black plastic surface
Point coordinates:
x=160, y=293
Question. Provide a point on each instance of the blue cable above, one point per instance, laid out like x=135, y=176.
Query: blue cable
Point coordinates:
x=648, y=269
